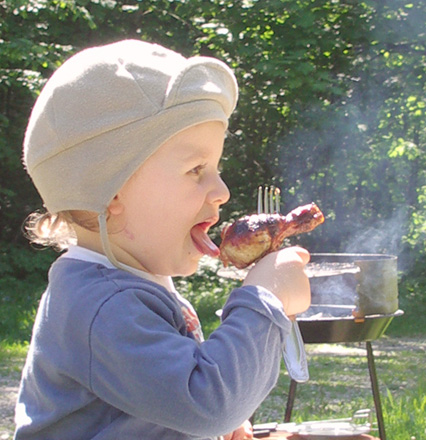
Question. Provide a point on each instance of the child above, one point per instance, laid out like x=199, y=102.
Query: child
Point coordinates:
x=123, y=145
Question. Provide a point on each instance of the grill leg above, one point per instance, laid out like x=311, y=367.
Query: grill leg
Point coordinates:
x=376, y=392
x=290, y=401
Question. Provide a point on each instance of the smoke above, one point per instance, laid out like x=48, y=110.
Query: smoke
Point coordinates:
x=384, y=236
x=338, y=289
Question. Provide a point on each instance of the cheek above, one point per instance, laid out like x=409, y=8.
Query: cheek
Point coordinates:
x=179, y=204
x=128, y=233
x=162, y=221
x=163, y=211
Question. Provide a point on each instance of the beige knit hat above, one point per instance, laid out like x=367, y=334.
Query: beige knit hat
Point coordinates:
x=108, y=108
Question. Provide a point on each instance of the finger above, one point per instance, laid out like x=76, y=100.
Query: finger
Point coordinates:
x=295, y=256
x=248, y=429
x=303, y=254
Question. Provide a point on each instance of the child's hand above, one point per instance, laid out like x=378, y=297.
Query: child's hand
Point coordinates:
x=245, y=431
x=283, y=274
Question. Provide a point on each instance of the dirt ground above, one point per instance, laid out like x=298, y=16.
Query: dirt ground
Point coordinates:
x=8, y=394
x=9, y=384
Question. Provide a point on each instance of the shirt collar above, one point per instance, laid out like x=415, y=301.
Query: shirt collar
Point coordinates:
x=84, y=254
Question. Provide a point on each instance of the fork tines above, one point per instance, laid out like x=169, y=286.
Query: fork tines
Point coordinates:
x=268, y=200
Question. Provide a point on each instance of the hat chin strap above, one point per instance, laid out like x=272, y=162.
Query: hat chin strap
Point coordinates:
x=103, y=231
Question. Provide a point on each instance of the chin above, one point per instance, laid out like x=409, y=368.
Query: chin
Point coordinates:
x=185, y=273
x=188, y=269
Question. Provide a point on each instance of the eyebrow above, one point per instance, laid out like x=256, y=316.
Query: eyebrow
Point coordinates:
x=193, y=155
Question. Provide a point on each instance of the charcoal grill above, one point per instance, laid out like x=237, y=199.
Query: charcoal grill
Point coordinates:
x=354, y=299
x=369, y=282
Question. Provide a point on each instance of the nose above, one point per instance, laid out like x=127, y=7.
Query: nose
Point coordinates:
x=219, y=193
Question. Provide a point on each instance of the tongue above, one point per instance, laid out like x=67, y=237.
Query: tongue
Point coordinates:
x=203, y=242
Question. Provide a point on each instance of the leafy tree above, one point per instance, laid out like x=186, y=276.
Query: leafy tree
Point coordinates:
x=331, y=109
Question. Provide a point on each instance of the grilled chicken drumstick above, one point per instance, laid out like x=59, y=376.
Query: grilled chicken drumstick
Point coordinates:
x=253, y=236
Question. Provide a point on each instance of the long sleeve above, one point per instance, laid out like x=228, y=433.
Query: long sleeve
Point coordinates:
x=149, y=370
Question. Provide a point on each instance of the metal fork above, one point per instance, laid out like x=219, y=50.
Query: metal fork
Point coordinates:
x=268, y=202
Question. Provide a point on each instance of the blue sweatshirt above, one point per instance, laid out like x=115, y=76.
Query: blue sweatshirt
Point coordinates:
x=112, y=358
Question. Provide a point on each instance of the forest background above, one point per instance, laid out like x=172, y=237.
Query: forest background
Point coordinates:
x=332, y=110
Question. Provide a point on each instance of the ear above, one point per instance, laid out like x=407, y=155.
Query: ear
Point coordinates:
x=115, y=208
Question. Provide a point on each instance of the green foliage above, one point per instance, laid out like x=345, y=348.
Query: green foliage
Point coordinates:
x=331, y=109
x=22, y=280
x=411, y=300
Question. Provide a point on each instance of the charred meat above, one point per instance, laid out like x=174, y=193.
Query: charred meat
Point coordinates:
x=253, y=236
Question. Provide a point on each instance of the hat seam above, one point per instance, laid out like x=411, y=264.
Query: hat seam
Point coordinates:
x=102, y=202
x=192, y=63
x=157, y=108
x=164, y=110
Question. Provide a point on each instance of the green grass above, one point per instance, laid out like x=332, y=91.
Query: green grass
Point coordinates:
x=12, y=358
x=340, y=385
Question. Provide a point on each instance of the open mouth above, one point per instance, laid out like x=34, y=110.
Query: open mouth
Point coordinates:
x=202, y=241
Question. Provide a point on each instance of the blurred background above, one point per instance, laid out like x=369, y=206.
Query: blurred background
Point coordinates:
x=331, y=110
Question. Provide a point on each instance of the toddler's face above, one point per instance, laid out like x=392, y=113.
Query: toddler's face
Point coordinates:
x=173, y=200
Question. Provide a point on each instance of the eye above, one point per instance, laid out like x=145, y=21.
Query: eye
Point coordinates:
x=196, y=171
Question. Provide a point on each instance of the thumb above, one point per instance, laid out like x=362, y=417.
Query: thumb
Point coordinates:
x=302, y=253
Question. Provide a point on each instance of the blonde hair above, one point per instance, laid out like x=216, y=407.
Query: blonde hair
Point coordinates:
x=55, y=230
